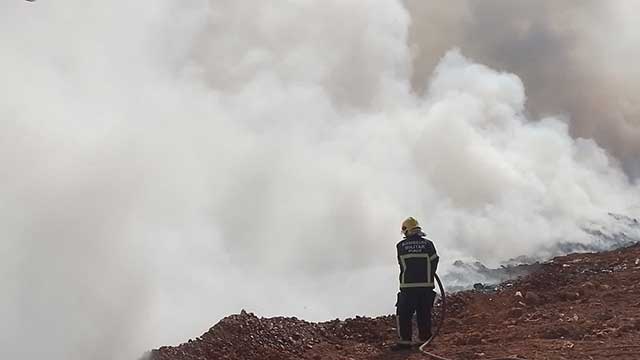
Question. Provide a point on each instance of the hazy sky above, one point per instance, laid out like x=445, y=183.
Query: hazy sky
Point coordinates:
x=166, y=163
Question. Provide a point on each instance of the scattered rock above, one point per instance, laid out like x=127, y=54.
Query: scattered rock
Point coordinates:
x=563, y=332
x=532, y=298
x=473, y=339
x=515, y=313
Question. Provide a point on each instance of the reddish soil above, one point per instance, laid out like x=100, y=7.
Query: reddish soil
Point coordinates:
x=579, y=306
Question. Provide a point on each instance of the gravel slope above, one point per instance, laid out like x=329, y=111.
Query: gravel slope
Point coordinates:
x=579, y=306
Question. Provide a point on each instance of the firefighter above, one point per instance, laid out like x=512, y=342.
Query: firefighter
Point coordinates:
x=418, y=262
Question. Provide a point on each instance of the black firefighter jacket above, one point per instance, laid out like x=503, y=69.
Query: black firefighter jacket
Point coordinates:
x=418, y=261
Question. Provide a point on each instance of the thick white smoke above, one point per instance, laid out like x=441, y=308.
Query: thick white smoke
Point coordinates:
x=575, y=60
x=167, y=163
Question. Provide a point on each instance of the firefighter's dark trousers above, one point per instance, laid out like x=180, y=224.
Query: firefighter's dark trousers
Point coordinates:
x=410, y=301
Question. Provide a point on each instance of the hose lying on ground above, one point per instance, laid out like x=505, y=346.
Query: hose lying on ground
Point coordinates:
x=443, y=312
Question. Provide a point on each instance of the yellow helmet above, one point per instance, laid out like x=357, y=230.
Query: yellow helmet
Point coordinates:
x=409, y=224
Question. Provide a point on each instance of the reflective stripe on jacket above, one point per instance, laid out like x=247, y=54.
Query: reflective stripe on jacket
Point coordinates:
x=418, y=261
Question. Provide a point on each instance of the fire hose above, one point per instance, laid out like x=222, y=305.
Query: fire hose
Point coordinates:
x=443, y=312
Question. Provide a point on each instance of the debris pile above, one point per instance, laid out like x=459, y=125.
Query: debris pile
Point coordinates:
x=579, y=306
x=246, y=336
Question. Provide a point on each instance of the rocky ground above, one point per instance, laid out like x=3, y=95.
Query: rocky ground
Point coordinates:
x=579, y=306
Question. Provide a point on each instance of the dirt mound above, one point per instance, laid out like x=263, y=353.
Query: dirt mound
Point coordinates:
x=579, y=306
x=246, y=336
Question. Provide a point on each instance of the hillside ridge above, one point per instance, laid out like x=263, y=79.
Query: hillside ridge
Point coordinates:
x=577, y=306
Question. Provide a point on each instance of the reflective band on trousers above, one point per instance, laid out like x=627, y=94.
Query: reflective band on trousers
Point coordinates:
x=415, y=285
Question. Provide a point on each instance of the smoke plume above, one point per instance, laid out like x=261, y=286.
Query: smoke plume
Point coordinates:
x=577, y=60
x=167, y=163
